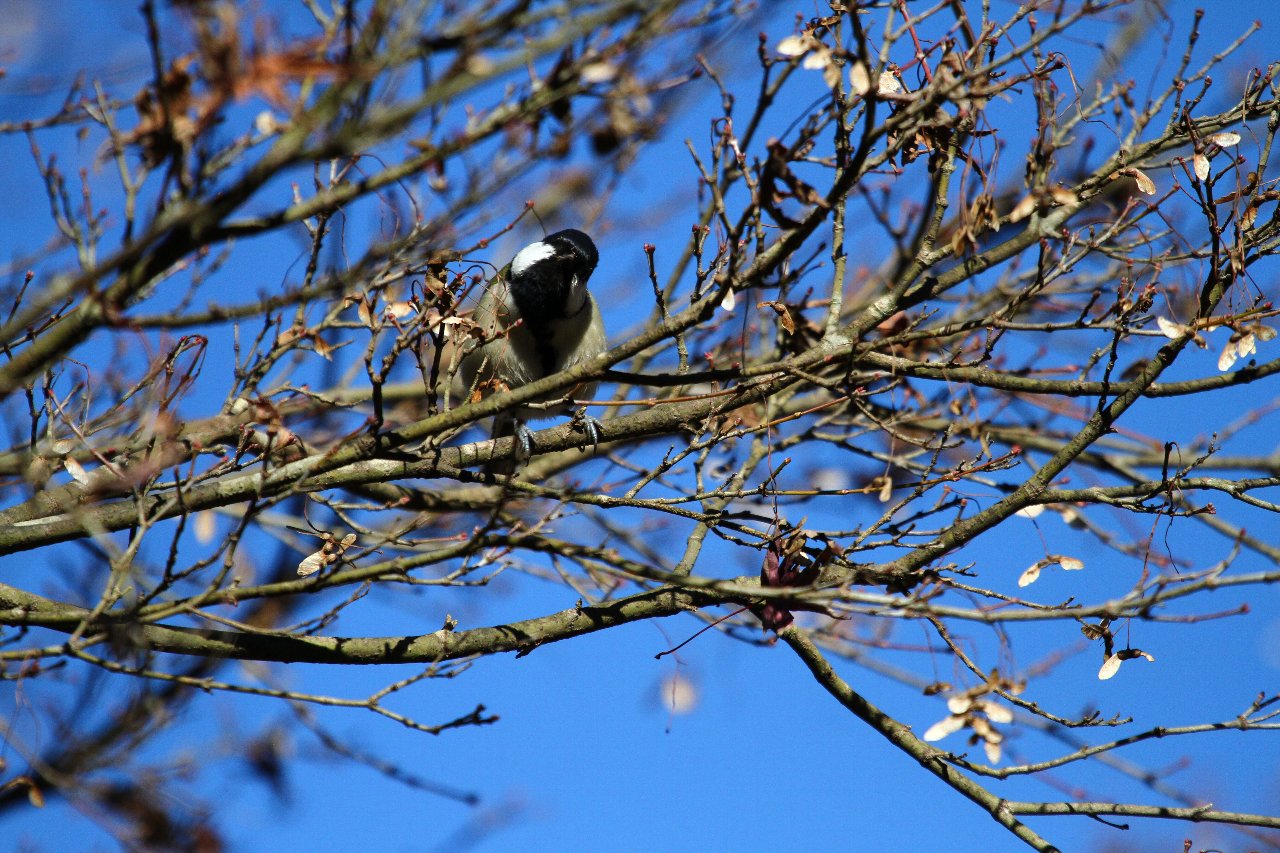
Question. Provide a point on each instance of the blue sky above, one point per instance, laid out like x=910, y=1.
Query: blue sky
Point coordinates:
x=585, y=755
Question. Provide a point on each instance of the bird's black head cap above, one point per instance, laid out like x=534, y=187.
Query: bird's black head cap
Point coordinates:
x=571, y=240
x=544, y=277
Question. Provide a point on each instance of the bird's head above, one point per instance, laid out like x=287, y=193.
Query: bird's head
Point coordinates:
x=548, y=278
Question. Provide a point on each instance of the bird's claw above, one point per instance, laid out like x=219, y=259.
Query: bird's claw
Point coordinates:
x=524, y=442
x=589, y=425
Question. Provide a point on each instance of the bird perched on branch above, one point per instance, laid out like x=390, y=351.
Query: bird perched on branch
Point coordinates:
x=534, y=321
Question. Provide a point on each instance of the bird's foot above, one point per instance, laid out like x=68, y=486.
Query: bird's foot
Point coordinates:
x=524, y=442
x=587, y=424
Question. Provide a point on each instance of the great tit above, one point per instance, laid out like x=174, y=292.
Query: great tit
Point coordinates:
x=534, y=321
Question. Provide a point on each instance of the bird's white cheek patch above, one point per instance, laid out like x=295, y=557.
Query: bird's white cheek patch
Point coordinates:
x=530, y=255
x=577, y=297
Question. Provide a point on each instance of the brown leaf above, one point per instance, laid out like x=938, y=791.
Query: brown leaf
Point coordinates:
x=793, y=45
x=1229, y=355
x=859, y=78
x=1249, y=215
x=777, y=169
x=831, y=75
x=313, y=563
x=1023, y=209
x=164, y=127
x=784, y=312
x=1172, y=330
x=76, y=470
x=1063, y=195
x=1028, y=577
x=1145, y=184
x=944, y=727
x=886, y=489
x=1200, y=163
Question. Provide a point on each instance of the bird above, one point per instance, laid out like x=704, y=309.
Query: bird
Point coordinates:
x=536, y=319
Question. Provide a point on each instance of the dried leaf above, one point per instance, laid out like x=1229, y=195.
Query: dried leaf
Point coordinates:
x=1172, y=330
x=313, y=564
x=859, y=78
x=678, y=694
x=944, y=727
x=598, y=72
x=793, y=46
x=449, y=323
x=1145, y=184
x=889, y=83
x=1070, y=516
x=1112, y=663
x=1094, y=632
x=886, y=489
x=1247, y=345
x=266, y=123
x=1200, y=163
x=1249, y=215
x=1263, y=333
x=38, y=471
x=817, y=59
x=1063, y=196
x=1030, y=575
x=997, y=713
x=76, y=470
x=365, y=313
x=1023, y=209
x=785, y=318
x=831, y=75
x=400, y=310
x=1229, y=356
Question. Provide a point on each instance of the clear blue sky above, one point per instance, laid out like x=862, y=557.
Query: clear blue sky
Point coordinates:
x=585, y=756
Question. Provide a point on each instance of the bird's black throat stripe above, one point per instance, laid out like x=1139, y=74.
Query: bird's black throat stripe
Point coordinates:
x=540, y=299
x=542, y=291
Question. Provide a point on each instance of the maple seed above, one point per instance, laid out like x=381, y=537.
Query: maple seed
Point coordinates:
x=793, y=46
x=1145, y=184
x=1200, y=163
